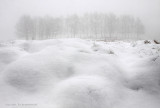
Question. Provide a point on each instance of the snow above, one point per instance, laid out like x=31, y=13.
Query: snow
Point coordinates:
x=76, y=73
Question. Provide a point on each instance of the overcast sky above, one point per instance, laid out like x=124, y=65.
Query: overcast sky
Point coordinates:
x=11, y=10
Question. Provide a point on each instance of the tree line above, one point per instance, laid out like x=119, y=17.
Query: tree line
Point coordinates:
x=93, y=26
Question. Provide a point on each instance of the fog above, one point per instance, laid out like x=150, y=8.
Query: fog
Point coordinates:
x=12, y=10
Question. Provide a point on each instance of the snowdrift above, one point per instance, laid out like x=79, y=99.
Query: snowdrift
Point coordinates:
x=76, y=73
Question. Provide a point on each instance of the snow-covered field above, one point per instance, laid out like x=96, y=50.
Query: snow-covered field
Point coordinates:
x=76, y=73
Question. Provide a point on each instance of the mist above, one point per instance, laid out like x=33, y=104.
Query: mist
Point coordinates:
x=11, y=10
x=79, y=53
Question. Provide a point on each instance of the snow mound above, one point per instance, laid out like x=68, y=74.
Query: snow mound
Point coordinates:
x=87, y=92
x=9, y=55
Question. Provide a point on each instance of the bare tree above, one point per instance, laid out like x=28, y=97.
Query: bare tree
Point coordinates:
x=25, y=27
x=139, y=27
x=72, y=23
x=111, y=24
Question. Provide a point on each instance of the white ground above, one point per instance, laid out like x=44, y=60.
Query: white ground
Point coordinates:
x=75, y=73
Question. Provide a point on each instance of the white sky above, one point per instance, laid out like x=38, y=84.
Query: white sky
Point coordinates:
x=11, y=10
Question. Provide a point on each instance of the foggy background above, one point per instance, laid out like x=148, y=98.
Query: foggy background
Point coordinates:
x=11, y=10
